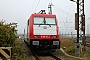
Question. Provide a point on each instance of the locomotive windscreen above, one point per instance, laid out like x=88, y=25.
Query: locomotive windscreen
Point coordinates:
x=44, y=21
x=44, y=26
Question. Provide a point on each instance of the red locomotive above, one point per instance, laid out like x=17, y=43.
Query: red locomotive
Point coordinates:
x=42, y=32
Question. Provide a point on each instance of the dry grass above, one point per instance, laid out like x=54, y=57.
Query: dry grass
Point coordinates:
x=65, y=42
x=69, y=47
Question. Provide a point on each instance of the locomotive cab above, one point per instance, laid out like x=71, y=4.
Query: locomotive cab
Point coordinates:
x=43, y=32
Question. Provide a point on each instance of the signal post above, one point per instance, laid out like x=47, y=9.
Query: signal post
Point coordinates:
x=80, y=25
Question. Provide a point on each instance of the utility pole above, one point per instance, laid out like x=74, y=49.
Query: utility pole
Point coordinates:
x=50, y=8
x=24, y=34
x=80, y=24
x=83, y=24
x=78, y=44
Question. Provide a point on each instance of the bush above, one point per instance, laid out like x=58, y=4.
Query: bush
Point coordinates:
x=7, y=33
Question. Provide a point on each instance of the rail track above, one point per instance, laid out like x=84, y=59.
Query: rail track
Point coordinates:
x=50, y=56
x=36, y=56
x=47, y=56
x=55, y=57
x=88, y=44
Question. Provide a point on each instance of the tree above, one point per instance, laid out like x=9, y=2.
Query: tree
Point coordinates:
x=7, y=33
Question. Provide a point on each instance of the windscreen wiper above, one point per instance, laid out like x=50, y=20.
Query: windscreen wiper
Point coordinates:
x=44, y=21
x=40, y=24
x=44, y=24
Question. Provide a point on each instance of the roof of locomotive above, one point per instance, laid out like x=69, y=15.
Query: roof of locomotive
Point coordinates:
x=43, y=15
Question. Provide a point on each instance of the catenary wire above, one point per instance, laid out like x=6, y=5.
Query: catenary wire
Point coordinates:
x=37, y=5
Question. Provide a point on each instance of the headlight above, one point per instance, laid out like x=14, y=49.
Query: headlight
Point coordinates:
x=35, y=36
x=35, y=42
x=55, y=42
x=53, y=36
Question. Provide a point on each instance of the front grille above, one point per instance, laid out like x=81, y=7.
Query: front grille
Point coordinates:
x=45, y=42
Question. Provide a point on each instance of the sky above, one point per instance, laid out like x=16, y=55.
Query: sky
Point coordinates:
x=20, y=10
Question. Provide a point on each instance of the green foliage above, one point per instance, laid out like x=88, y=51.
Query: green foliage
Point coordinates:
x=17, y=46
x=19, y=50
x=7, y=33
